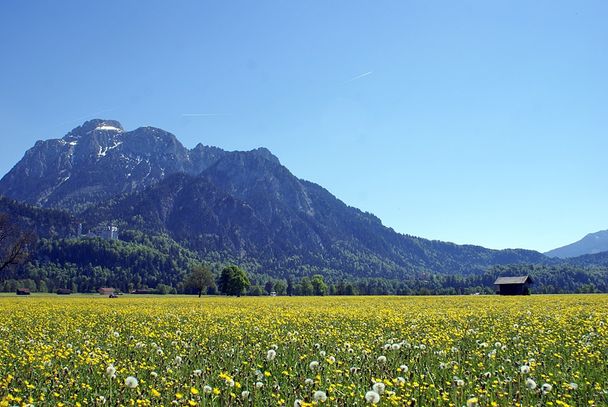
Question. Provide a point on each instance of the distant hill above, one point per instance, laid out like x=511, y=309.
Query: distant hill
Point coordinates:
x=242, y=207
x=591, y=244
x=596, y=259
x=45, y=223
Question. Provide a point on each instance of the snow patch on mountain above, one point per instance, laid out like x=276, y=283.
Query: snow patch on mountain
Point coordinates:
x=104, y=150
x=106, y=127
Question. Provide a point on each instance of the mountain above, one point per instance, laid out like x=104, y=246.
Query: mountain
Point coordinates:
x=98, y=160
x=243, y=207
x=44, y=223
x=591, y=244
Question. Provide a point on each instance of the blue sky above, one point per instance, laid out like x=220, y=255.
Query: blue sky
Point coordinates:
x=468, y=121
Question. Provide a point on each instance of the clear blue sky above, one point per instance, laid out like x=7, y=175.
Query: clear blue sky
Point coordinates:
x=480, y=122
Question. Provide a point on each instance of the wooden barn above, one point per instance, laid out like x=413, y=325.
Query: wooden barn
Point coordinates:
x=23, y=291
x=519, y=285
x=143, y=291
x=106, y=291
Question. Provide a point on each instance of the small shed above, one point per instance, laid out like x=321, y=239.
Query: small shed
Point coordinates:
x=23, y=291
x=143, y=291
x=64, y=291
x=106, y=291
x=519, y=285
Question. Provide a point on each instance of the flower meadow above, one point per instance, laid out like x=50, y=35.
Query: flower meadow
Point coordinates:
x=278, y=351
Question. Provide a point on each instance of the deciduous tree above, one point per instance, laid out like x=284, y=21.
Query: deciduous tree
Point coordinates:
x=199, y=279
x=14, y=243
x=233, y=281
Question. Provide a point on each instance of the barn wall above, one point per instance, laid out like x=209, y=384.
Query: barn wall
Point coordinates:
x=511, y=289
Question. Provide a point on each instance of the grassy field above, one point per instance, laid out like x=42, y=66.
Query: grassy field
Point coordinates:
x=422, y=351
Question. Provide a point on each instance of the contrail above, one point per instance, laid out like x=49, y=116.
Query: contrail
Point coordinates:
x=202, y=114
x=363, y=75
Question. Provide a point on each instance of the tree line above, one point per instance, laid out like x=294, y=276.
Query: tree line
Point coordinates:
x=157, y=263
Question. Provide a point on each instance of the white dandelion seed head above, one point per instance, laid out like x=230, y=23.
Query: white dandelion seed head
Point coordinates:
x=404, y=368
x=131, y=382
x=379, y=387
x=372, y=397
x=207, y=389
x=116, y=334
x=297, y=403
x=332, y=359
x=319, y=395
x=197, y=372
x=111, y=371
x=395, y=346
x=313, y=365
x=354, y=370
x=309, y=382
x=259, y=385
x=381, y=359
x=178, y=360
x=401, y=379
x=244, y=394
x=271, y=354
x=530, y=384
x=524, y=369
x=230, y=383
x=153, y=374
x=459, y=383
x=546, y=388
x=322, y=353
x=573, y=386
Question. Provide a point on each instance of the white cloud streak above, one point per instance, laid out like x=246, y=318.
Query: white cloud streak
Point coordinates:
x=202, y=114
x=363, y=75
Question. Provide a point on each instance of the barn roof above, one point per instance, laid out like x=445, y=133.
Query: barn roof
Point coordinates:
x=513, y=280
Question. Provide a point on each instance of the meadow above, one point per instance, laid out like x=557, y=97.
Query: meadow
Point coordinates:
x=343, y=351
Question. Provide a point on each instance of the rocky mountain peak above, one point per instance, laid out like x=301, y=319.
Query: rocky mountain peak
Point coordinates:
x=99, y=159
x=94, y=125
